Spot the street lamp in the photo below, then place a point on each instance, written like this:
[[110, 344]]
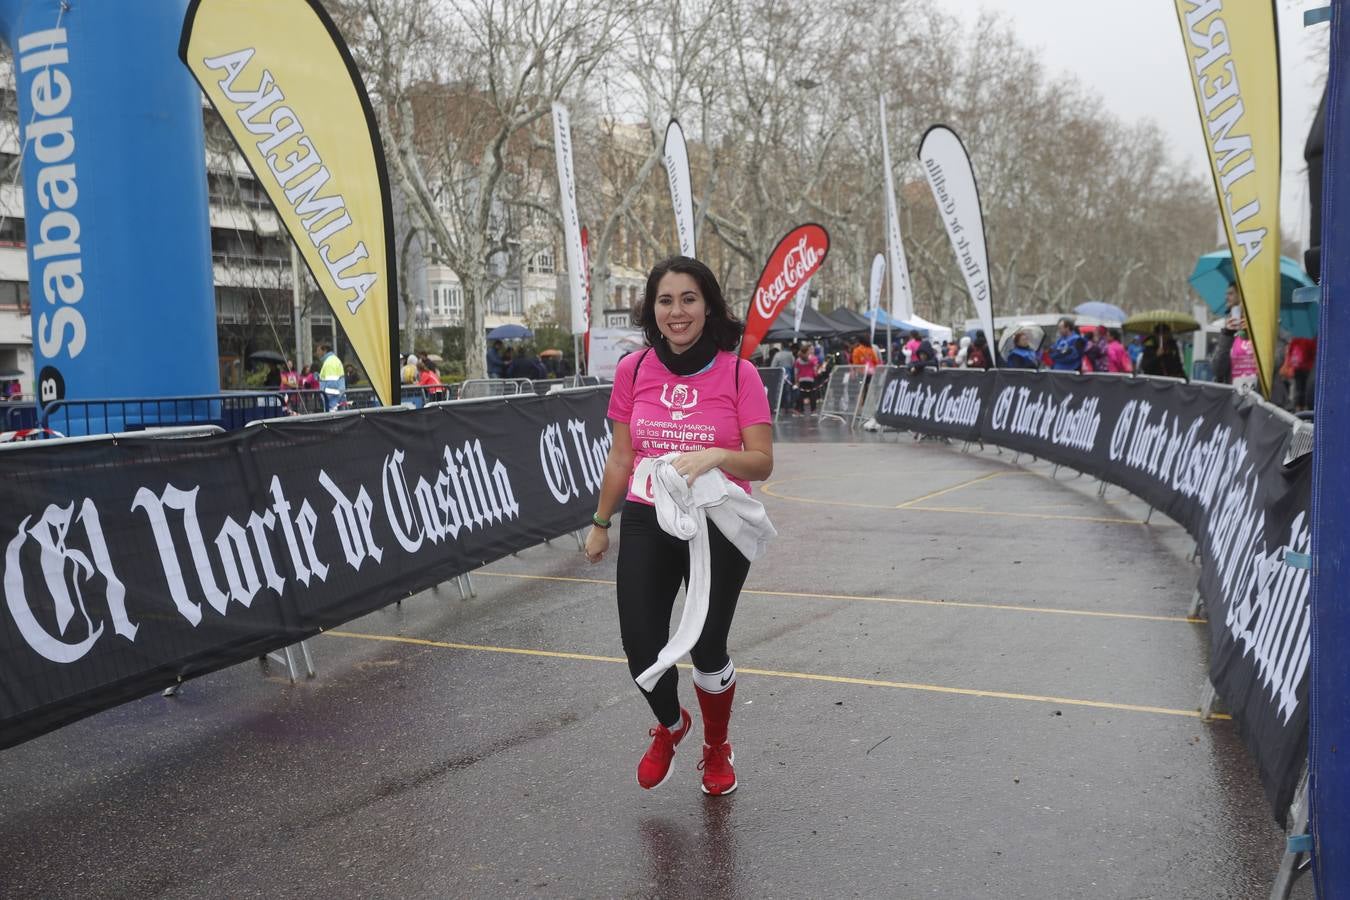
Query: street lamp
[[421, 323]]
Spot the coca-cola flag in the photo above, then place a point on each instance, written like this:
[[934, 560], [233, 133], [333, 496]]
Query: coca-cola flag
[[798, 256]]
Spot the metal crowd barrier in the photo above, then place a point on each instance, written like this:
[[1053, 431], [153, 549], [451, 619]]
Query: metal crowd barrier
[[871, 400], [775, 385], [566, 382], [462, 399], [188, 431], [542, 386], [299, 402], [418, 395], [477, 388], [124, 414], [843, 393]]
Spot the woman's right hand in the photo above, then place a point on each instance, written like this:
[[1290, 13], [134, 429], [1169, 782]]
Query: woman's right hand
[[597, 542]]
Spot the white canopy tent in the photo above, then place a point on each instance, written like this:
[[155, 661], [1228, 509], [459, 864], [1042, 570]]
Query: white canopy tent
[[936, 332]]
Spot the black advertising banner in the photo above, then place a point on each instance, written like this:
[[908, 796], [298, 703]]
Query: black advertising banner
[[950, 405], [129, 565], [1213, 461]]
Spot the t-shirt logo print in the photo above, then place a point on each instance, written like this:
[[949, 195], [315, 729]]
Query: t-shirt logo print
[[681, 400]]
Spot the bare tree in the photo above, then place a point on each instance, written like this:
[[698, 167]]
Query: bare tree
[[462, 92], [782, 121], [651, 78], [778, 98]]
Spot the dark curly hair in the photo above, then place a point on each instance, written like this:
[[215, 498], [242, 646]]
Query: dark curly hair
[[724, 328]]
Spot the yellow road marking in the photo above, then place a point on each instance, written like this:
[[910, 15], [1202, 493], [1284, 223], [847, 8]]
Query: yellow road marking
[[768, 489], [912, 601], [948, 490], [802, 676], [451, 645], [1110, 520]]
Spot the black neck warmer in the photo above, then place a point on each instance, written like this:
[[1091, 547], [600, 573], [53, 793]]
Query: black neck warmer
[[691, 361]]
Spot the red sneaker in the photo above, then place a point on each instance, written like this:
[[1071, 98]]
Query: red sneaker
[[718, 776], [654, 768]]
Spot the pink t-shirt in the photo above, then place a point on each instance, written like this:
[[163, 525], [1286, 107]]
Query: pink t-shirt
[[1243, 358], [668, 413], [806, 368]]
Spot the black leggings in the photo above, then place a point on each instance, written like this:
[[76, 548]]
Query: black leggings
[[652, 566]]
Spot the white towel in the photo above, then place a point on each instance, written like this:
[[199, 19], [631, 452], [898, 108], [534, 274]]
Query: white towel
[[684, 511]]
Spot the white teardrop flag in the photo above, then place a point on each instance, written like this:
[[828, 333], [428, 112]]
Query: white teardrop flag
[[946, 165]]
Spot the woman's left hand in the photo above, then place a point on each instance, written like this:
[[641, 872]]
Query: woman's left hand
[[691, 465]]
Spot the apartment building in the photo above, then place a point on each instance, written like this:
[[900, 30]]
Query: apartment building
[[16, 330], [251, 260]]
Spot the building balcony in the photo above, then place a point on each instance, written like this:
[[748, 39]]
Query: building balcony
[[240, 271], [244, 216]]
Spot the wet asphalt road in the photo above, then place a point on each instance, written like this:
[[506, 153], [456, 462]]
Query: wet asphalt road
[[959, 678]]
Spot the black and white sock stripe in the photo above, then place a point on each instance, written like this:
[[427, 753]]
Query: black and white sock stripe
[[716, 682]]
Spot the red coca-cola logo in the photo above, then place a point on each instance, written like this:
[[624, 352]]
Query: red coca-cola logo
[[797, 257]]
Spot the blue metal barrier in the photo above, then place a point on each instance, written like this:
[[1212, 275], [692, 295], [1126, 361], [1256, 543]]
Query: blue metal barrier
[[299, 403], [229, 411], [18, 416]]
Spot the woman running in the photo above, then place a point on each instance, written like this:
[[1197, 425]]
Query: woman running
[[686, 393]]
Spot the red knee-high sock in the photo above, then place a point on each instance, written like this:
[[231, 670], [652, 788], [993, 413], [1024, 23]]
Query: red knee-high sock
[[716, 710]]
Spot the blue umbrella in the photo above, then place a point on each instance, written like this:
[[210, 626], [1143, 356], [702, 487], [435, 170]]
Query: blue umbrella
[[1107, 312], [1299, 317], [509, 333], [1214, 272]]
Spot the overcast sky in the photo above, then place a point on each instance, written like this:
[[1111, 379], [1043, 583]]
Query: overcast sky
[[1130, 53]]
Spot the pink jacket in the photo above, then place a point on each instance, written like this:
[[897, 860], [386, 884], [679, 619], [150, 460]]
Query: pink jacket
[[1118, 358]]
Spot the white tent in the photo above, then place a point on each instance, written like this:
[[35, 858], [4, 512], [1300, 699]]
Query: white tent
[[936, 332]]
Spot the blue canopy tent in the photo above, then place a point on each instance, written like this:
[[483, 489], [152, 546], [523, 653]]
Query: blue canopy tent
[[884, 318]]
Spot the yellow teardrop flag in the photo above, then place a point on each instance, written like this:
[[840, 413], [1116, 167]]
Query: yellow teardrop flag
[[1232, 51], [286, 86]]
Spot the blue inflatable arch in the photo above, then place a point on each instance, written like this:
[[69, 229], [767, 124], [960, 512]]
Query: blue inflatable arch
[[119, 244]]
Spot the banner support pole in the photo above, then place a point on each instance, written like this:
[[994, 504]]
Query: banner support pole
[[295, 305]]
